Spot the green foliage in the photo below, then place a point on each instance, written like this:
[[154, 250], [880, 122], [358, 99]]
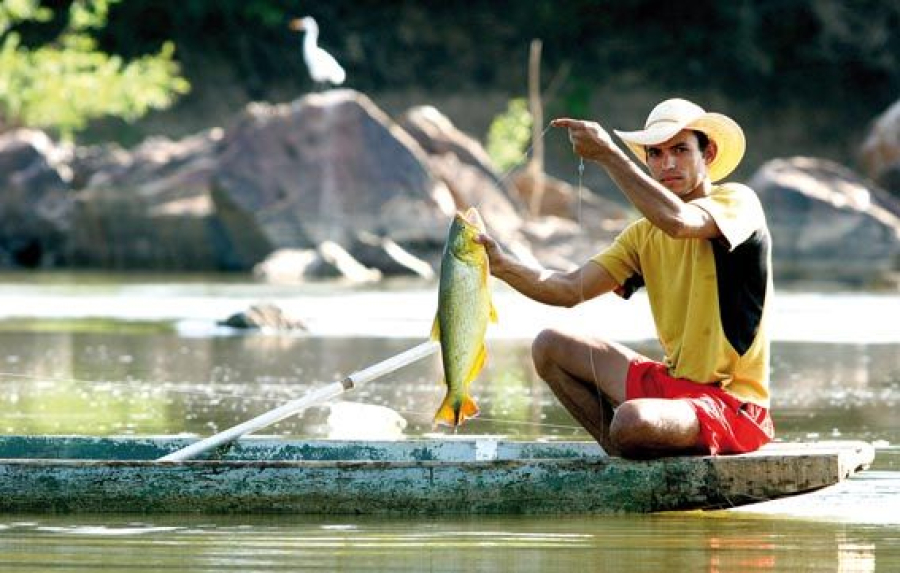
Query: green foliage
[[64, 84], [509, 135]]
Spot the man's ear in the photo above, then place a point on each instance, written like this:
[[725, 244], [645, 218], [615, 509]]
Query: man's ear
[[709, 154]]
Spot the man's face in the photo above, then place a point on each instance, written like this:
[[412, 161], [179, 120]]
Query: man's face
[[679, 164]]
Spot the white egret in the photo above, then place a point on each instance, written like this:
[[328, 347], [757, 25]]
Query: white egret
[[321, 65]]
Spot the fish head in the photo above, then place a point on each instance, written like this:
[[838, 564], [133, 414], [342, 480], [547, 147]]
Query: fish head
[[463, 231]]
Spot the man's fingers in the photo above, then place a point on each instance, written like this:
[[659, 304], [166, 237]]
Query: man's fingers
[[565, 122]]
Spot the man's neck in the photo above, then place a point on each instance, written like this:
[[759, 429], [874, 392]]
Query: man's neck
[[702, 190]]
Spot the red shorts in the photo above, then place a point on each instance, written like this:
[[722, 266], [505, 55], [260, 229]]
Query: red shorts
[[727, 424]]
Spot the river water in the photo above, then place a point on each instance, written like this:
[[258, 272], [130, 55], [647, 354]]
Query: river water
[[94, 354]]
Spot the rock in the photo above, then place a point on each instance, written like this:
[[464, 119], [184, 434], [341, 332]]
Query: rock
[[264, 315], [90, 160], [463, 166], [890, 179], [36, 204], [562, 244], [329, 260], [437, 136], [827, 222], [561, 199], [288, 266], [348, 267], [151, 208], [387, 256], [880, 153], [325, 168]]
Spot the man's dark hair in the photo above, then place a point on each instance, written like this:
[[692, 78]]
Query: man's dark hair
[[702, 140]]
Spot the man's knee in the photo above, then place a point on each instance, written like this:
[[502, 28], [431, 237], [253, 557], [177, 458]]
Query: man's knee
[[640, 428], [630, 427], [542, 350]]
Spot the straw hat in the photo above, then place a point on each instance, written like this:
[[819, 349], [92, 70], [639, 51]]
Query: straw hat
[[673, 115]]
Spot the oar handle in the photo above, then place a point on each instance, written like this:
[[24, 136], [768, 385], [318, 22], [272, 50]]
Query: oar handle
[[387, 366], [310, 399]]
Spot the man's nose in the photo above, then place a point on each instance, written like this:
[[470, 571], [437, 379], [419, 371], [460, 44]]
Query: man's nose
[[668, 161]]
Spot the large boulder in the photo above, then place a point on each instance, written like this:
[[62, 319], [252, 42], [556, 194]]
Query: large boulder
[[325, 168], [880, 152], [468, 175], [35, 203], [150, 208], [438, 137], [827, 222]]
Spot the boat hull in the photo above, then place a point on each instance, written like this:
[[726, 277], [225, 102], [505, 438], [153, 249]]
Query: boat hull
[[472, 476]]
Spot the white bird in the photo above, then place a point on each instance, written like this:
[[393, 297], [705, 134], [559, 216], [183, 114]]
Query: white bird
[[321, 65]]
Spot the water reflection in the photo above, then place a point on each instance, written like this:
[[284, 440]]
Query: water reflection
[[554, 544]]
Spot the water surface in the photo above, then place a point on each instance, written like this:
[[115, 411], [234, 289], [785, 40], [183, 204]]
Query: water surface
[[91, 355]]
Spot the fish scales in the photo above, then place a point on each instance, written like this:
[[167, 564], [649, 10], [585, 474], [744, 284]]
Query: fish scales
[[464, 310]]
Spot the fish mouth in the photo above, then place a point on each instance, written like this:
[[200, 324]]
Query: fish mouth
[[471, 219]]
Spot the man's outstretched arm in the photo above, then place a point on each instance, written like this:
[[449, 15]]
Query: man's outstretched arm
[[547, 286]]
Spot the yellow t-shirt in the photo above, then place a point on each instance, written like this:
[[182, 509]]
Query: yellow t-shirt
[[708, 297]]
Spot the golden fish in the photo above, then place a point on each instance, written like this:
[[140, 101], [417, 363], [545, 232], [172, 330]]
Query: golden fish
[[464, 309]]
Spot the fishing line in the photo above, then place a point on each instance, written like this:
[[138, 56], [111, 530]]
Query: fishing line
[[524, 156], [522, 159], [580, 192], [505, 421], [152, 386], [508, 422]]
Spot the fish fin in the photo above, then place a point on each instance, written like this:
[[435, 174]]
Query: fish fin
[[486, 280], [447, 415], [436, 329], [468, 409], [477, 364]]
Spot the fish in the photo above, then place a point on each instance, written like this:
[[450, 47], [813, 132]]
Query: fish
[[464, 309]]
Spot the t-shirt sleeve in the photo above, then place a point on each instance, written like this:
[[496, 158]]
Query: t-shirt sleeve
[[621, 259], [736, 209]]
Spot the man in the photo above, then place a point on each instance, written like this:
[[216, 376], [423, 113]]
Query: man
[[702, 250]]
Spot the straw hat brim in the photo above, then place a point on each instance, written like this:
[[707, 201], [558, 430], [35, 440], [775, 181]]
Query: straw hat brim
[[727, 134]]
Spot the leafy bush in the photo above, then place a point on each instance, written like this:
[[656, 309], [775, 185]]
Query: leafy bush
[[509, 135], [63, 84]]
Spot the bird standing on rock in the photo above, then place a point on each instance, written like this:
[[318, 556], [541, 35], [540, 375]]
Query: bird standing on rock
[[322, 66]]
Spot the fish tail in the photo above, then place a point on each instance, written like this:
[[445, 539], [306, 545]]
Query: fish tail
[[468, 409], [453, 413]]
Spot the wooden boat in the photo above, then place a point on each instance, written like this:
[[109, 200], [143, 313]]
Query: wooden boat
[[472, 475]]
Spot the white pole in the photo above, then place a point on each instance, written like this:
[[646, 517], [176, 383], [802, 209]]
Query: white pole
[[310, 399]]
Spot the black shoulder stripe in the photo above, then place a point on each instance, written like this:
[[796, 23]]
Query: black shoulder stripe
[[632, 284], [742, 276]]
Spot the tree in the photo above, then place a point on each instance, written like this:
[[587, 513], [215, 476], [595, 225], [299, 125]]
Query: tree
[[63, 84]]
